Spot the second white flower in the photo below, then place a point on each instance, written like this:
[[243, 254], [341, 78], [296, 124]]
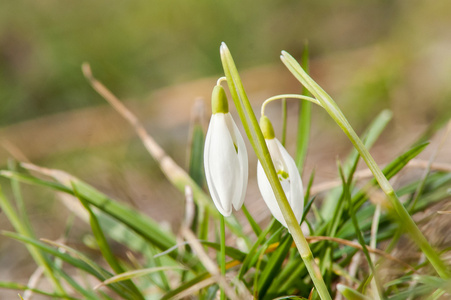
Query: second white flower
[[287, 173]]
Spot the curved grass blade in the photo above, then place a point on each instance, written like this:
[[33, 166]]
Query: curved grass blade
[[135, 274], [83, 263], [104, 247], [21, 287], [37, 255], [133, 219], [272, 268], [334, 111]]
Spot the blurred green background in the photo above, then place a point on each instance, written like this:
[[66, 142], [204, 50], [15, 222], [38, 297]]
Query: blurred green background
[[139, 46]]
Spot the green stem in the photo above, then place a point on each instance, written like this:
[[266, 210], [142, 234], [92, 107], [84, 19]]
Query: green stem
[[222, 253], [334, 111], [304, 117], [284, 121], [257, 141]]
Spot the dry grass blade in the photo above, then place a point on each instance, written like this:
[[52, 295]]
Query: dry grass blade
[[14, 151], [33, 282], [211, 267], [169, 167], [195, 288]]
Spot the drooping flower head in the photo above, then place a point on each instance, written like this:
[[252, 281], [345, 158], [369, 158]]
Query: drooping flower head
[[287, 173], [225, 157]]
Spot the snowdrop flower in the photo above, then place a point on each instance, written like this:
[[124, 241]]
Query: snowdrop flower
[[288, 176], [225, 157]]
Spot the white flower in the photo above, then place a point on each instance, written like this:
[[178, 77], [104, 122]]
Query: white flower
[[289, 178], [225, 158]]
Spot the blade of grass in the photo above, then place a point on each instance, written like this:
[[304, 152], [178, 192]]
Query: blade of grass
[[369, 137], [222, 257], [347, 197], [21, 287], [334, 111], [254, 225], [196, 163], [251, 255], [82, 262], [105, 249], [37, 255], [141, 224], [273, 266]]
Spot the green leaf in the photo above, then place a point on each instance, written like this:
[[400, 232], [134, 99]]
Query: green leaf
[[304, 119], [22, 228], [82, 262], [273, 266], [185, 286], [369, 137], [252, 255], [351, 294], [255, 227], [133, 219]]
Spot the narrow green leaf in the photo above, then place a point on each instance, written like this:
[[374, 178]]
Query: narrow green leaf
[[284, 122], [369, 137], [251, 255], [21, 287], [351, 294], [273, 265], [82, 262], [196, 170], [347, 197], [133, 219], [254, 225], [185, 286], [336, 114], [22, 228]]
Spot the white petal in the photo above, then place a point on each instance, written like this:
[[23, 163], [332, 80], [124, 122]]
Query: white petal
[[268, 194], [242, 173], [208, 176]]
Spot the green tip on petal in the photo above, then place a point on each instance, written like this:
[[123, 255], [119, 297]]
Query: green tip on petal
[[266, 127], [219, 102]]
